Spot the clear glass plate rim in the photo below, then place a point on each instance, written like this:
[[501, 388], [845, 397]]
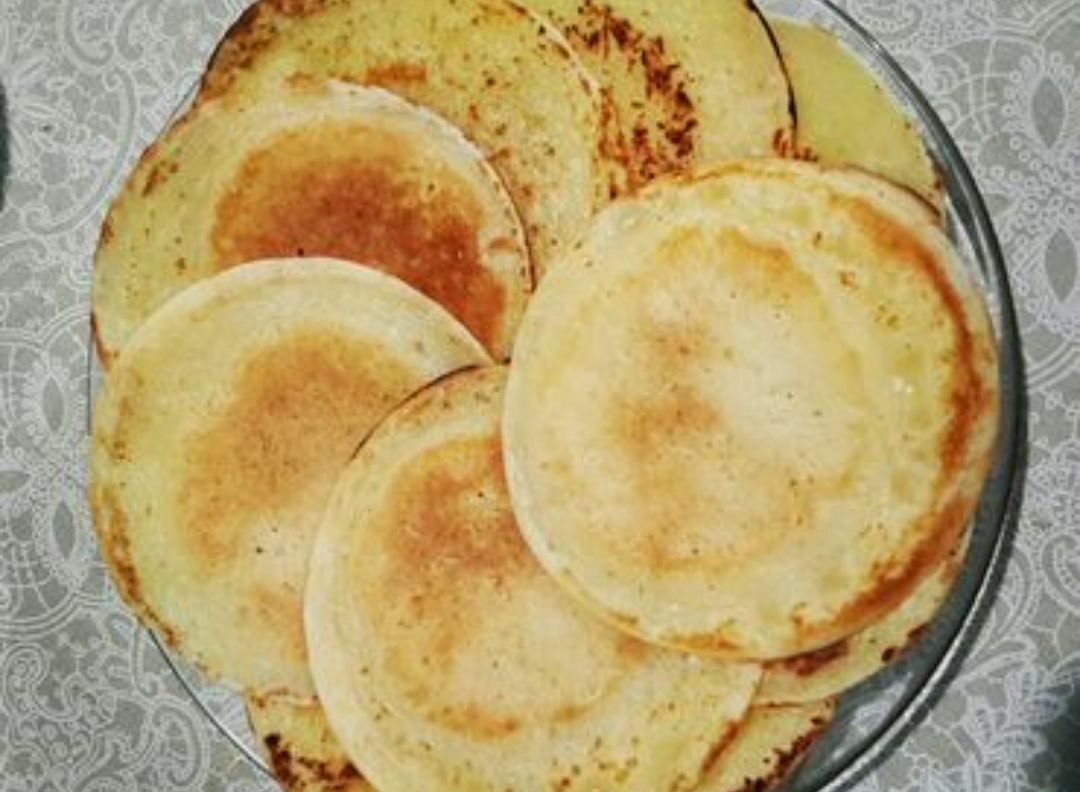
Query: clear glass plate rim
[[997, 505]]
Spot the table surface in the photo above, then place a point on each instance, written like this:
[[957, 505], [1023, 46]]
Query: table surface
[[85, 700]]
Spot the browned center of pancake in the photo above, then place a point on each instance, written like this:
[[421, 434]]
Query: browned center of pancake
[[367, 195], [267, 462], [479, 637]]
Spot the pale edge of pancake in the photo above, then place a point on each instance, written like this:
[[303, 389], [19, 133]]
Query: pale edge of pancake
[[156, 238], [913, 214], [494, 68], [125, 502], [832, 670], [401, 746], [845, 116], [767, 746]]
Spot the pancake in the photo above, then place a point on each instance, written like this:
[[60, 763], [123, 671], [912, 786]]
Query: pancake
[[218, 437], [768, 746], [753, 409], [496, 71], [833, 669], [692, 83], [844, 116], [299, 747], [445, 657], [318, 169]]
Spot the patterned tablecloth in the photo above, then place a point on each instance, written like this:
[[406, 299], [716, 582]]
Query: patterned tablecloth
[[86, 702]]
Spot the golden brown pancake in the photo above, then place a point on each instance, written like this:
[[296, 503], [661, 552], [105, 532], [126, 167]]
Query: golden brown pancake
[[299, 747], [218, 437], [445, 657], [319, 169], [833, 669], [767, 747], [753, 409], [692, 83], [845, 116], [493, 69]]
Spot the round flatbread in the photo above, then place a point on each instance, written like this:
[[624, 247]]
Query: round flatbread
[[767, 747], [299, 747], [220, 433], [692, 83], [445, 657], [844, 116], [316, 169], [753, 409], [831, 670], [495, 70]]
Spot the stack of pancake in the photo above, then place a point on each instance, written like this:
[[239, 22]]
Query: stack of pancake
[[518, 398]]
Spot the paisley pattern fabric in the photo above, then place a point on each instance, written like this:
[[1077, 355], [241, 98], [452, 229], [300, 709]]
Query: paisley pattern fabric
[[87, 701]]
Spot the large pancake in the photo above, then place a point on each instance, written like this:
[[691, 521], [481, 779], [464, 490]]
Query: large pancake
[[445, 657], [845, 116], [496, 71], [219, 435], [833, 669], [317, 169], [753, 409], [768, 746], [692, 83], [297, 743]]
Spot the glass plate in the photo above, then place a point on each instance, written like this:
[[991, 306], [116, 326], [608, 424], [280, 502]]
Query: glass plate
[[874, 717]]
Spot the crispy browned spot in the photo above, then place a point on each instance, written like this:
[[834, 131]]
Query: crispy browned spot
[[716, 641], [810, 662], [298, 772], [394, 73], [112, 529], [786, 760], [614, 148], [236, 51], [716, 750], [289, 8], [654, 147], [159, 173], [297, 412], [342, 190], [107, 232], [252, 32], [102, 351]]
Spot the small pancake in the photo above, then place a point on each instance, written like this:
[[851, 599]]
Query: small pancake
[[445, 657], [297, 743], [692, 83], [833, 669], [319, 169], [493, 69], [844, 116], [219, 435], [768, 746], [753, 409]]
